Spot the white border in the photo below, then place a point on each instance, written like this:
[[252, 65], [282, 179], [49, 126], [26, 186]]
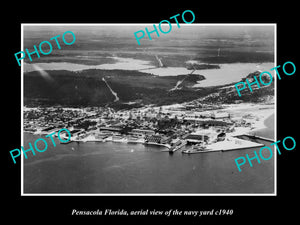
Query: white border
[[152, 194], [22, 110]]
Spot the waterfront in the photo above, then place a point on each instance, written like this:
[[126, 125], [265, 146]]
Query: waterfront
[[120, 167], [136, 168]]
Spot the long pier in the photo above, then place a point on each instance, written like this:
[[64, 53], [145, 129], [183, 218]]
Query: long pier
[[256, 137], [221, 149], [158, 144], [227, 145]]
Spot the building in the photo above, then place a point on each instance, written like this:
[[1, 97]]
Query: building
[[142, 131], [175, 142], [206, 136], [220, 115], [114, 129], [196, 138], [221, 136], [153, 138]]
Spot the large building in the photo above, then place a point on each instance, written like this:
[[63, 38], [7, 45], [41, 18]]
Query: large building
[[142, 131], [160, 139], [220, 115], [196, 138], [201, 137]]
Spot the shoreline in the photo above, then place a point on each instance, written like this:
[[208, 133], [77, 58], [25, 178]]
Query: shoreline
[[263, 129], [216, 147], [261, 116], [256, 120]]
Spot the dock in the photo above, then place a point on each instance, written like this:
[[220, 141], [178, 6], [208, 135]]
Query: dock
[[158, 144], [227, 145], [178, 147], [256, 137]]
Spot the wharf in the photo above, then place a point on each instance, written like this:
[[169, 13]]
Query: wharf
[[227, 145], [174, 149], [257, 137], [158, 144]]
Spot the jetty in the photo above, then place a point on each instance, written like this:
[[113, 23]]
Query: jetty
[[226, 145], [174, 149], [158, 144], [258, 137]]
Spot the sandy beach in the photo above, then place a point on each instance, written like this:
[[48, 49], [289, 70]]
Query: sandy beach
[[261, 117], [266, 129]]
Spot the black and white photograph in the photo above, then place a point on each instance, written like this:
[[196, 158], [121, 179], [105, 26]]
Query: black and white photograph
[[129, 109], [149, 113]]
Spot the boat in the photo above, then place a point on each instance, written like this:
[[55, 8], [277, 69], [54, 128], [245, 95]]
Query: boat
[[196, 149], [199, 147], [66, 140], [177, 147], [109, 138], [193, 151]]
